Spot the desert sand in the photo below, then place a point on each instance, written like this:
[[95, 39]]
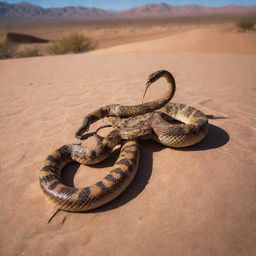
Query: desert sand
[[196, 201]]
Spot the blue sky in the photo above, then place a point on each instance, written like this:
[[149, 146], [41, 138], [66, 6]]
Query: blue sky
[[126, 4]]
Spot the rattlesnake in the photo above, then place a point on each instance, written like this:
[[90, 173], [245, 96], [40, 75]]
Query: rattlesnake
[[130, 123]]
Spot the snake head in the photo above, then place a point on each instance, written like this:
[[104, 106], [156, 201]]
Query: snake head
[[155, 76], [152, 78]]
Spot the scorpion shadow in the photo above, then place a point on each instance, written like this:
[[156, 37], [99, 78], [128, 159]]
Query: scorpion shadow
[[216, 137]]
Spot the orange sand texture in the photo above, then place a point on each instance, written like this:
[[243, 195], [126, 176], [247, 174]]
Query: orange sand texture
[[196, 201]]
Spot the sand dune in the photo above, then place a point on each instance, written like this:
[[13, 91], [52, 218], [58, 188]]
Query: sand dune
[[198, 201], [214, 40]]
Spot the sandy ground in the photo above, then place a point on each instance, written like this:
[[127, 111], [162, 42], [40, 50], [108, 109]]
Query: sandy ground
[[197, 201]]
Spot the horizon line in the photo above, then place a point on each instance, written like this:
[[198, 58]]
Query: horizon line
[[117, 10]]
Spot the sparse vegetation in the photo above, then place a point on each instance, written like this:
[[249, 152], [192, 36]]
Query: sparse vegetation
[[7, 49], [29, 52], [74, 43], [246, 24]]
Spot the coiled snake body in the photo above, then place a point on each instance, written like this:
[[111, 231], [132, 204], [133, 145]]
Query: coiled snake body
[[130, 123]]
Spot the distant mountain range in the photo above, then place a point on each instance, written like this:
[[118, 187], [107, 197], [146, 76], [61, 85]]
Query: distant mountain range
[[163, 9], [25, 10]]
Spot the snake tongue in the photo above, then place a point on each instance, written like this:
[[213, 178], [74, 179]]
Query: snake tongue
[[148, 83]]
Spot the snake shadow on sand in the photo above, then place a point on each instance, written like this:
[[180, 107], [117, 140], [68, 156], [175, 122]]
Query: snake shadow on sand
[[216, 137]]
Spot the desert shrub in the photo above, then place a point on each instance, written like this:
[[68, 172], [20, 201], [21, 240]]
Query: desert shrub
[[7, 49], [246, 24], [74, 43], [29, 52]]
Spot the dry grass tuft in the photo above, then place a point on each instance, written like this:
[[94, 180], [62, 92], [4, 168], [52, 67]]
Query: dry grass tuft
[[246, 24], [29, 52], [74, 43], [7, 49]]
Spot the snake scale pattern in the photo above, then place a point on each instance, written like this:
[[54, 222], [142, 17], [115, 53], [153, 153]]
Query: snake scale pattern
[[177, 126]]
